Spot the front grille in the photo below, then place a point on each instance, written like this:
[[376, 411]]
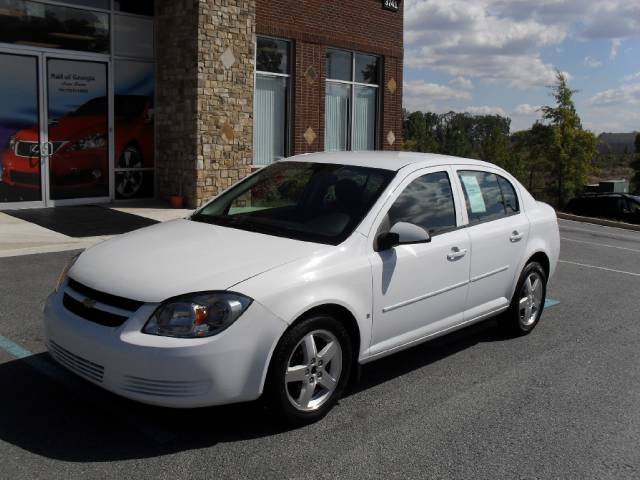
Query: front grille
[[25, 178], [27, 149], [77, 364], [106, 298], [165, 388], [98, 307], [92, 314]]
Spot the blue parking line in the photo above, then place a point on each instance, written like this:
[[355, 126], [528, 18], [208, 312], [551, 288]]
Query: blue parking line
[[550, 302], [14, 349]]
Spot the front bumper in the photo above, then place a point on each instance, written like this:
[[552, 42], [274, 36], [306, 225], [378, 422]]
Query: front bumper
[[182, 373]]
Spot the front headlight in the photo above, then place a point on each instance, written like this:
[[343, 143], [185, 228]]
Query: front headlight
[[65, 270], [92, 142], [197, 315], [12, 143]]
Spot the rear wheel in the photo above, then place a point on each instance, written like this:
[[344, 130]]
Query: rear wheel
[[309, 369], [528, 301]]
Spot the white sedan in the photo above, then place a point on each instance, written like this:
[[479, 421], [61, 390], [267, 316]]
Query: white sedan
[[284, 284]]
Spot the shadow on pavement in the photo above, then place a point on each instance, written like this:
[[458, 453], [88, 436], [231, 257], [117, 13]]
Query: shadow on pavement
[[64, 417]]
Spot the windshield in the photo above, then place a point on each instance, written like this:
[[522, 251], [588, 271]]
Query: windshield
[[313, 202]]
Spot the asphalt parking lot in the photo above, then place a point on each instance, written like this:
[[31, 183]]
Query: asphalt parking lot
[[560, 403]]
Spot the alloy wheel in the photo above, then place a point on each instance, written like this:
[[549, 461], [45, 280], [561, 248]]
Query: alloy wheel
[[130, 181], [313, 370], [531, 295]]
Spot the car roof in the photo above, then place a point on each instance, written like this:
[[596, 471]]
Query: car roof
[[393, 161]]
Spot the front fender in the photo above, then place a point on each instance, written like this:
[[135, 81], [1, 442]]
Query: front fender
[[341, 277]]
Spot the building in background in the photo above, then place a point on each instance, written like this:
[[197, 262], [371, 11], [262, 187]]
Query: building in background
[[117, 99]]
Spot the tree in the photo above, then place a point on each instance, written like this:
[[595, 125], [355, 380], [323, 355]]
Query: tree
[[571, 149], [494, 148]]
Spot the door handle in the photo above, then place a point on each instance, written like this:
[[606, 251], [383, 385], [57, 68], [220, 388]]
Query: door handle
[[456, 253], [515, 236]]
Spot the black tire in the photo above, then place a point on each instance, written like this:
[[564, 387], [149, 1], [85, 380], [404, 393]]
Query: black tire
[[281, 396], [515, 321]]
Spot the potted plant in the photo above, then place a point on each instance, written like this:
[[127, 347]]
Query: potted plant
[[177, 200]]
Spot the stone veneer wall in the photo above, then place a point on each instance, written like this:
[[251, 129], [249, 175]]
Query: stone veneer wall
[[204, 112]]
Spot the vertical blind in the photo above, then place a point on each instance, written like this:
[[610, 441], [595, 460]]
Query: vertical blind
[[364, 119], [336, 117], [270, 119]]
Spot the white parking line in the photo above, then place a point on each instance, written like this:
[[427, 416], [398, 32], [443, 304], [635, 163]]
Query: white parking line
[[600, 244], [599, 268]]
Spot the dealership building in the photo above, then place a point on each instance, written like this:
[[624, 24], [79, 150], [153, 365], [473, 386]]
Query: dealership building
[[104, 100]]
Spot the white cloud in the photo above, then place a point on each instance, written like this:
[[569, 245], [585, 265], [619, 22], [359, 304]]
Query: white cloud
[[501, 40], [420, 95], [632, 77], [486, 110], [462, 83], [625, 95], [591, 62], [615, 48], [524, 109]]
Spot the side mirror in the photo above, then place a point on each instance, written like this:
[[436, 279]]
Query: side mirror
[[402, 233]]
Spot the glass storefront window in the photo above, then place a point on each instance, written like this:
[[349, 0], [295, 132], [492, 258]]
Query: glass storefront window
[[271, 100], [104, 4], [77, 114], [52, 26], [134, 131], [19, 130], [133, 36], [351, 107], [140, 7], [339, 65], [272, 55], [366, 69]]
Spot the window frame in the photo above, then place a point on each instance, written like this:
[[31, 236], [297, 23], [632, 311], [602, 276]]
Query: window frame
[[288, 97], [398, 188], [453, 200], [352, 94], [463, 194]]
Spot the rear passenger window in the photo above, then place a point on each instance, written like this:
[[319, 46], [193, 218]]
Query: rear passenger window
[[509, 196], [482, 195], [426, 202]]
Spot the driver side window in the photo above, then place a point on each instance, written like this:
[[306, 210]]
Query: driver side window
[[426, 202]]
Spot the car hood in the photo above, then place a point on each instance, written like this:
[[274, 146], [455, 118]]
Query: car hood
[[182, 256]]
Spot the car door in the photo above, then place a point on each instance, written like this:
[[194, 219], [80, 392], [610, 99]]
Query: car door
[[498, 231], [420, 289]]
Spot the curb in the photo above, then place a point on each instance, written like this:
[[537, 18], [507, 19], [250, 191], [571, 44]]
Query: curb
[[599, 221]]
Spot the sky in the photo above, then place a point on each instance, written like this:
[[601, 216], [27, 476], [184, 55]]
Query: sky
[[498, 56]]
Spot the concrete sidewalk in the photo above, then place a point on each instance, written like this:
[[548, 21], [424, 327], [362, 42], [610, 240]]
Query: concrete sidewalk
[[19, 237]]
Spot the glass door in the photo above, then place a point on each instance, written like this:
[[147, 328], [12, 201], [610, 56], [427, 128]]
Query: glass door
[[77, 130], [21, 131]]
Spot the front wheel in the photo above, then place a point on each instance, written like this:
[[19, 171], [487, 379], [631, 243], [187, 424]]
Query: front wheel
[[129, 182], [309, 369], [528, 301]]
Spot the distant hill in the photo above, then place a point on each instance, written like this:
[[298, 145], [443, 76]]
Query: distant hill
[[615, 143]]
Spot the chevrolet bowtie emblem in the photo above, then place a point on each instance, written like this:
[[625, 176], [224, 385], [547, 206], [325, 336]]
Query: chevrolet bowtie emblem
[[89, 302]]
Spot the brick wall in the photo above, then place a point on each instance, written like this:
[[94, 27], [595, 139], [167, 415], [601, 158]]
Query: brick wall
[[312, 25]]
